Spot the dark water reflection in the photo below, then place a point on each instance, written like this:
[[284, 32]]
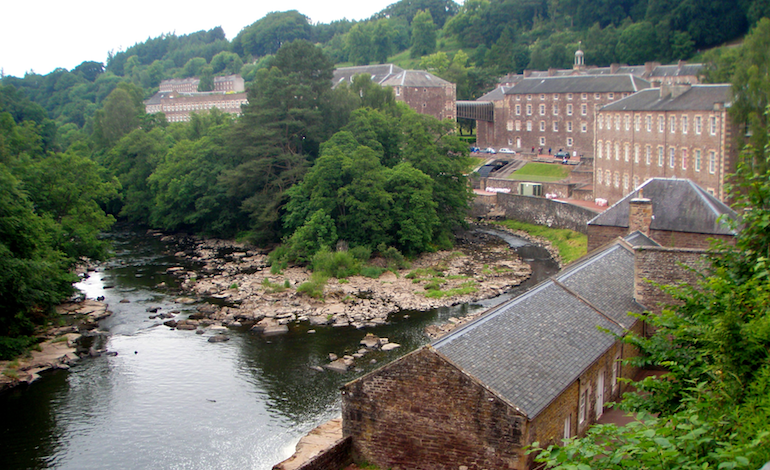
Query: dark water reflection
[[172, 400]]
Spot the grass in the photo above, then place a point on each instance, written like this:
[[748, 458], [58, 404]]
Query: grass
[[541, 172], [571, 245], [465, 289]]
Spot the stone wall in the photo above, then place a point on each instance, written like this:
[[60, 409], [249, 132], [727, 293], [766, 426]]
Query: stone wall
[[422, 413], [664, 266], [334, 458], [542, 211]]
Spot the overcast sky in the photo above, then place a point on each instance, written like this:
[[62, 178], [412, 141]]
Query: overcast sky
[[46, 34]]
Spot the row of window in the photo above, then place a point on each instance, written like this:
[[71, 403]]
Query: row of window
[[554, 109], [583, 96], [516, 125], [605, 150], [606, 120], [203, 106]]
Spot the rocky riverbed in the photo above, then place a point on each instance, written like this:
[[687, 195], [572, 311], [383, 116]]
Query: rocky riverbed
[[241, 290]]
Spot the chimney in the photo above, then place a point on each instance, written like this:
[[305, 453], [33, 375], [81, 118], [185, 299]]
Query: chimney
[[527, 73], [674, 90], [551, 71], [614, 68], [640, 215]]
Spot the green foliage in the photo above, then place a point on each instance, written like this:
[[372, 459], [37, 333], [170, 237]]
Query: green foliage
[[423, 34], [268, 34], [544, 172], [373, 272], [571, 245], [338, 264], [11, 348], [314, 287], [361, 253]]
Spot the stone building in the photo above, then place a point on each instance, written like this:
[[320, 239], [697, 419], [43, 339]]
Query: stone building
[[672, 212], [681, 131], [179, 106], [537, 368], [226, 83], [551, 112], [420, 90]]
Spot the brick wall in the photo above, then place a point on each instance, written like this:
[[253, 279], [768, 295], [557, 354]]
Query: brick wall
[[439, 102], [422, 413], [629, 142], [664, 266]]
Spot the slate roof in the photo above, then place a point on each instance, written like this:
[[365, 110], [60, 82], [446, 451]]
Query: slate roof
[[697, 97], [495, 95], [378, 73], [580, 84], [639, 239], [414, 78], [676, 70], [678, 205], [530, 349]]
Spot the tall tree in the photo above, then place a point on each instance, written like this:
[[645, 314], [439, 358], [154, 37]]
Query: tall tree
[[423, 34]]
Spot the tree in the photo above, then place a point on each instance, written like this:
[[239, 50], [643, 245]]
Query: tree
[[423, 34], [227, 63], [206, 82], [637, 43], [267, 35], [121, 113]]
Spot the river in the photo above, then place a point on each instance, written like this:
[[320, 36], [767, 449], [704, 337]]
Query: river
[[171, 400]]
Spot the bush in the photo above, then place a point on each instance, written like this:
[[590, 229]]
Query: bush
[[314, 287], [13, 347], [361, 253], [339, 264], [373, 272], [394, 257]]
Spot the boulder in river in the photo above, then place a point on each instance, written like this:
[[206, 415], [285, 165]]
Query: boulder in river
[[218, 338]]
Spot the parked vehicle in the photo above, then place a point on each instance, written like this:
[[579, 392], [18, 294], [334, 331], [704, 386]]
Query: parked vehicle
[[475, 150], [506, 150], [489, 150]]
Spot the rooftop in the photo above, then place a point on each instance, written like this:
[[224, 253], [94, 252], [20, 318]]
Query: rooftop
[[696, 97], [580, 84]]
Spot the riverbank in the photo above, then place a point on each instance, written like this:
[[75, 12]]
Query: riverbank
[[59, 348], [241, 290]]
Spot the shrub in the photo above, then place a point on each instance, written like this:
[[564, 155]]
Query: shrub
[[13, 347], [394, 257], [339, 264], [361, 253], [373, 272], [314, 287]]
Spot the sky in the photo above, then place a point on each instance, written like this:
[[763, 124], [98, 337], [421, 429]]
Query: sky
[[43, 35]]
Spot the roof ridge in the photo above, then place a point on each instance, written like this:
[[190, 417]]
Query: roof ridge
[[585, 301]]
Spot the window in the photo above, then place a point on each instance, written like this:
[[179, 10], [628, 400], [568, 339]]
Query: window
[[627, 121], [569, 109], [569, 96], [660, 156], [542, 126], [698, 125], [648, 154], [599, 176], [671, 157], [661, 124], [542, 110], [509, 125], [607, 178], [637, 123], [518, 97], [626, 152], [609, 122], [569, 126], [556, 110], [636, 182], [600, 394], [672, 123], [584, 109], [529, 110], [697, 160], [636, 153], [542, 141], [616, 180], [617, 151], [583, 126], [583, 404], [556, 97], [617, 364], [599, 151], [568, 427], [556, 126], [518, 110], [584, 96], [529, 126], [712, 162], [542, 97], [684, 159], [609, 150], [648, 122], [611, 96], [569, 141], [529, 97], [684, 124], [601, 122], [713, 125], [625, 182], [597, 96], [617, 122]]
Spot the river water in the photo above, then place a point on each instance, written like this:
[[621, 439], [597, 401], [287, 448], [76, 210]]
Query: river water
[[170, 399]]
